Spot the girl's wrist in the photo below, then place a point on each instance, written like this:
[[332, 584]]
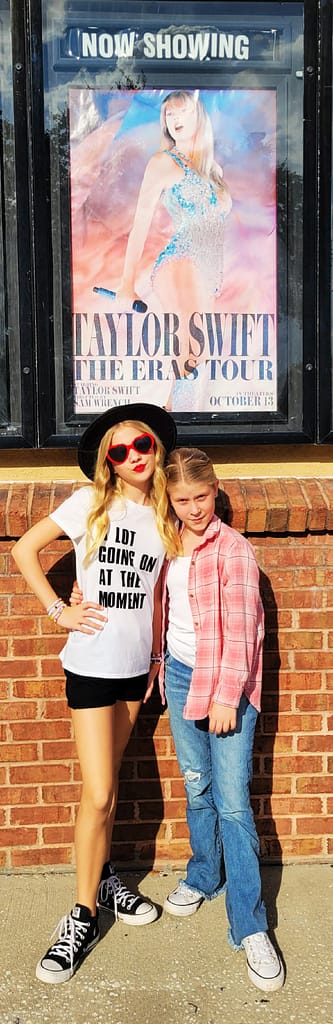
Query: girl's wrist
[[156, 659], [55, 610]]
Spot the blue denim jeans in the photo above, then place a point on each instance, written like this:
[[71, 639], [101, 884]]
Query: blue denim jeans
[[217, 772]]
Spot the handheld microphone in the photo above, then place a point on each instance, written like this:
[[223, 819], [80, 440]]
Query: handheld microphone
[[138, 305]]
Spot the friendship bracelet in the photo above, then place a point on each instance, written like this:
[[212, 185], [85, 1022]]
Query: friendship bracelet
[[156, 659], [52, 607], [55, 610]]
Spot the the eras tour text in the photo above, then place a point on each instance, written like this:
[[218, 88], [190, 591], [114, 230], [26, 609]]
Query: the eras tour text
[[125, 347]]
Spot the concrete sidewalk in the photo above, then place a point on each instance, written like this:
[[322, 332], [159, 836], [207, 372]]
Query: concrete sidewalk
[[174, 971]]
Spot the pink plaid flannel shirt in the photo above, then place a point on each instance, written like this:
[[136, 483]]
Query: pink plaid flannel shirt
[[228, 619]]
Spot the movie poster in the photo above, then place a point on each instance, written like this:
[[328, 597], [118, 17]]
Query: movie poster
[[173, 236]]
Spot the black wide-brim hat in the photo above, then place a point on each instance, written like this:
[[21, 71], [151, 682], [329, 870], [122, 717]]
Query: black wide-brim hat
[[153, 416]]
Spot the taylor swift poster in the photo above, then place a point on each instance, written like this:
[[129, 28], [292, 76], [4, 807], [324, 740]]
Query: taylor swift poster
[[173, 227]]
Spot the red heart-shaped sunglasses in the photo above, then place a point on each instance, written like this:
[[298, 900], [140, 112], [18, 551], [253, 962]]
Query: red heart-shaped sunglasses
[[144, 444]]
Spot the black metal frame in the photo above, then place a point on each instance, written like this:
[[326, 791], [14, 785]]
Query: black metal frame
[[325, 283], [35, 298], [23, 434]]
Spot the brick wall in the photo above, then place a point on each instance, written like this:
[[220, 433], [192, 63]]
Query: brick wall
[[290, 524]]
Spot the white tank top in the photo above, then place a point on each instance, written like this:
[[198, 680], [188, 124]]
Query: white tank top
[[180, 634]]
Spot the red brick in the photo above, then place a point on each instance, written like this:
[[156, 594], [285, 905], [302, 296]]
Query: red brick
[[41, 730], [315, 620], [18, 795], [61, 750], [318, 505], [238, 514], [291, 723], [4, 492], [292, 806], [51, 857], [15, 669], [26, 605], [303, 847], [295, 681], [315, 826], [179, 830], [56, 708], [304, 598], [38, 688], [30, 647], [267, 827], [300, 640], [61, 793], [40, 815], [297, 505], [11, 711], [17, 510], [257, 506], [51, 666], [297, 765], [15, 626], [25, 774], [278, 511], [18, 752], [18, 836], [177, 789], [40, 503], [61, 834], [304, 660], [60, 492], [262, 784], [315, 743], [315, 784], [282, 743]]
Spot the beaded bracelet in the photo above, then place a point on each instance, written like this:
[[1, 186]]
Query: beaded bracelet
[[156, 659], [56, 609]]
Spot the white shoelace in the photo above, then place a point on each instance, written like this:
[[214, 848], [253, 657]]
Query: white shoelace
[[260, 949], [122, 897], [70, 934]]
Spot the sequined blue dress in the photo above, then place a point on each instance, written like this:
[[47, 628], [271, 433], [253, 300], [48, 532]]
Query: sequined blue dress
[[198, 220]]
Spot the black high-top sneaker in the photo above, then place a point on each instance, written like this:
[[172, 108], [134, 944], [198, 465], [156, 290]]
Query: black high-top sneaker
[[78, 933], [126, 906]]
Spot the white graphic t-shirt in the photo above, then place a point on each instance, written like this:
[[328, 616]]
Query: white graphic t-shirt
[[121, 578]]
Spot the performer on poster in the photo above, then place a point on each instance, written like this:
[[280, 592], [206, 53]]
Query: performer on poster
[[174, 300], [188, 272]]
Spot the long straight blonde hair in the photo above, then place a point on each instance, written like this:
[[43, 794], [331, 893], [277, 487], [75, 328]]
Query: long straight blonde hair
[[203, 143], [108, 486], [188, 465]]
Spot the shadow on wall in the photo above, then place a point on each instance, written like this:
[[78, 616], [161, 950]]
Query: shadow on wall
[[263, 754]]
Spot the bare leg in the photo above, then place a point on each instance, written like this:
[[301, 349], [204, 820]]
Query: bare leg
[[181, 289], [101, 736], [125, 716]]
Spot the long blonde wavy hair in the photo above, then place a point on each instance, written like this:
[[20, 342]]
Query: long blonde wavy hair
[[203, 144], [108, 486]]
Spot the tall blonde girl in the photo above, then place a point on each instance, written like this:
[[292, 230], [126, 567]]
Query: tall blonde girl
[[120, 526]]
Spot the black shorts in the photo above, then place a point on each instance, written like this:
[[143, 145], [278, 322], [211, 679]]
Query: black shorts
[[88, 692]]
